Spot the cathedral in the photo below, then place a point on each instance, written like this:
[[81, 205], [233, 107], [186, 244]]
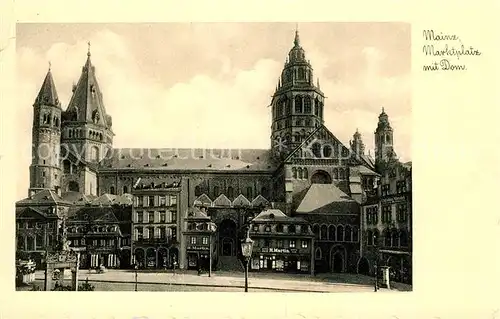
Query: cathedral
[[185, 208]]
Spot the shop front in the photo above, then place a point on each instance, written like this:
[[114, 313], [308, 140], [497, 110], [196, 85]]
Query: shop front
[[399, 264], [287, 260], [198, 257]]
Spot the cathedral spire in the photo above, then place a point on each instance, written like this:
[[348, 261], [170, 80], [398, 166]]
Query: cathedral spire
[[48, 93], [297, 38]]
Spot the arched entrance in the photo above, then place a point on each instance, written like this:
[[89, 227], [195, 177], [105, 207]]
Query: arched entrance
[[125, 258], [337, 259], [363, 266], [321, 177], [151, 258], [162, 257], [139, 257], [227, 238]]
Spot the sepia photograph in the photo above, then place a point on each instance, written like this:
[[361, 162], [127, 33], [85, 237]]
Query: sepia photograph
[[214, 157]]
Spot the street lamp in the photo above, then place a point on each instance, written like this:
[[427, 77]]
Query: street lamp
[[376, 259], [135, 268], [246, 251]]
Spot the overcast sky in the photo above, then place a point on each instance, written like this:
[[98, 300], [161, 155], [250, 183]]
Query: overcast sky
[[208, 85]]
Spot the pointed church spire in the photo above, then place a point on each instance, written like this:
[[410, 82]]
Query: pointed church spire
[[88, 50], [317, 83], [48, 93], [297, 39]]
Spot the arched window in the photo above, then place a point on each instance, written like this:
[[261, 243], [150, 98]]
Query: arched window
[[324, 233], [264, 192], [355, 234], [279, 109], [316, 231], [304, 173], [403, 239], [369, 238], [73, 186], [299, 173], [316, 107], [348, 233], [376, 237], [335, 173], [340, 233], [341, 173], [387, 238], [298, 104], [318, 254], [331, 232], [230, 192], [288, 107], [197, 191], [302, 74], [216, 191], [249, 193], [327, 151], [395, 238], [125, 189], [294, 172], [316, 150], [288, 75], [307, 105], [321, 177], [112, 190]]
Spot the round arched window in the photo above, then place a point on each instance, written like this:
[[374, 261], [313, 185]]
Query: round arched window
[[316, 149], [327, 151]]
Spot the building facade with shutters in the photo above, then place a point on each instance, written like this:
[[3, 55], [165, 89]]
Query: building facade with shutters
[[306, 164]]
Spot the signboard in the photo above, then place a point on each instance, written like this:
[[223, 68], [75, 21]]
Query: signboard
[[395, 199], [197, 247], [279, 250]]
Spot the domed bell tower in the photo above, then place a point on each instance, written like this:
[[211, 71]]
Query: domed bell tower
[[297, 103], [45, 171], [384, 149]]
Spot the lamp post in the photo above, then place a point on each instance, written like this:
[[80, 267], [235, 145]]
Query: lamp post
[[135, 268], [376, 261], [246, 251]]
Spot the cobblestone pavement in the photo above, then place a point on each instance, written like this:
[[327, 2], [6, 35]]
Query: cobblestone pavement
[[181, 280]]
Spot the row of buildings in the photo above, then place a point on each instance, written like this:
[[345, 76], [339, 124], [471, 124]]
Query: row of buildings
[[311, 203]]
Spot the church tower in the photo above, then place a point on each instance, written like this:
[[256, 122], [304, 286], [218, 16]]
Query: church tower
[[357, 145], [45, 171], [297, 104], [87, 128], [384, 149]]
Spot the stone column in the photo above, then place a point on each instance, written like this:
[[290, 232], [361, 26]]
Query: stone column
[[312, 256]]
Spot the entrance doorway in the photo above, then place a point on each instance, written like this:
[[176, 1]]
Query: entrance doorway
[[363, 266], [227, 237], [337, 262]]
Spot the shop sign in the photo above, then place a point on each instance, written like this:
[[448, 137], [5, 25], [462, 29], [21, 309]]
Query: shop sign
[[61, 257], [197, 248], [395, 199], [278, 250]]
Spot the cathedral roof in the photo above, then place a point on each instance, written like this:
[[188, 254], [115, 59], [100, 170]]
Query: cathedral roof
[[43, 197], [325, 198], [87, 101], [48, 93], [241, 160]]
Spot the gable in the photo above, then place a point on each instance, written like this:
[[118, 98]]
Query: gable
[[241, 201], [107, 218], [321, 145], [203, 200], [30, 213]]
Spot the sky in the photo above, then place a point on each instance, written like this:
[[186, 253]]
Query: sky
[[176, 85]]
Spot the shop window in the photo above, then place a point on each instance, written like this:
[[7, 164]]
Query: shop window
[[292, 243], [193, 240], [304, 244]]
